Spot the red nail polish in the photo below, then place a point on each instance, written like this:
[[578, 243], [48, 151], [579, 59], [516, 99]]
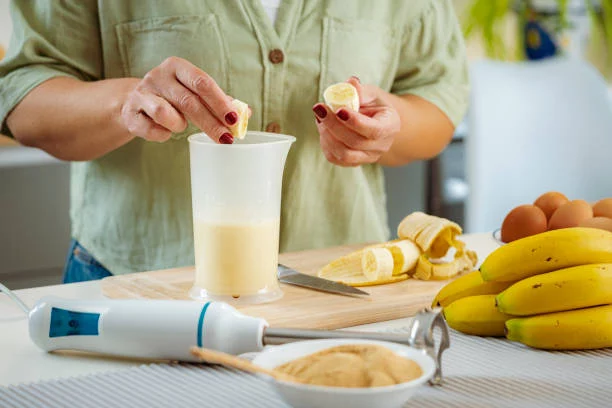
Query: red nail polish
[[226, 138], [317, 119], [231, 118], [343, 114], [320, 111]]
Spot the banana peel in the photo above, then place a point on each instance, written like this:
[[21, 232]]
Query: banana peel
[[428, 270], [361, 281], [432, 234], [423, 242], [436, 236]]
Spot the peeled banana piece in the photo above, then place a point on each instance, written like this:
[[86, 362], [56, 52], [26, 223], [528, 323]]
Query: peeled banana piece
[[470, 284], [566, 289], [349, 270], [547, 252], [341, 95], [581, 329], [239, 129], [377, 263], [476, 315], [405, 255]]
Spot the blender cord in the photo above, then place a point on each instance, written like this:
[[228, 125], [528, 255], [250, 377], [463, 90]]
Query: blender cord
[[15, 298]]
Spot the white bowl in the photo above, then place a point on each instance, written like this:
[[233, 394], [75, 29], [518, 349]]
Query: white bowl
[[305, 395]]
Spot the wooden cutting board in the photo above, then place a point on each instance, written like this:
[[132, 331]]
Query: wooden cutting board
[[299, 307]]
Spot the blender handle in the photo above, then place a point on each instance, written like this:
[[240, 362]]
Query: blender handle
[[149, 329]]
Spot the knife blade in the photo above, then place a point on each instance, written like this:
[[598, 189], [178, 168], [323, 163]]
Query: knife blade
[[293, 277]]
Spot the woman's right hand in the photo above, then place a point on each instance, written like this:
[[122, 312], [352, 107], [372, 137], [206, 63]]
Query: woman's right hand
[[173, 93]]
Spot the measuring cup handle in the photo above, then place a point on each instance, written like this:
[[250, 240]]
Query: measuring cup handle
[[422, 337]]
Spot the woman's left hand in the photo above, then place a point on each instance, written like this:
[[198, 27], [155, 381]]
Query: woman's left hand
[[351, 138]]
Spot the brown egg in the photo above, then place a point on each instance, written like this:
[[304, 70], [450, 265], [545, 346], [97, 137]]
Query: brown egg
[[523, 221], [603, 223], [549, 202], [603, 208], [570, 214]]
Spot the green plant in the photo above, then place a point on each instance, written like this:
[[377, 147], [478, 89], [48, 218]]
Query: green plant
[[487, 17]]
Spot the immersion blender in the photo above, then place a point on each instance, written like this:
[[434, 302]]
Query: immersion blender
[[167, 329]]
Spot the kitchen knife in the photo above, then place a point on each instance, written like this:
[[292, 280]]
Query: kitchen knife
[[293, 277]]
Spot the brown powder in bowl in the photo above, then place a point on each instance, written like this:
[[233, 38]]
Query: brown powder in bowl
[[354, 366]]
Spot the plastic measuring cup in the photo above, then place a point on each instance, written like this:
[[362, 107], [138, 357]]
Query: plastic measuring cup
[[236, 198]]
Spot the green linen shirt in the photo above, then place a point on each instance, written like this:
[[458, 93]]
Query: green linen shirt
[[132, 207]]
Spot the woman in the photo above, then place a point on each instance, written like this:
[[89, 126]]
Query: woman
[[116, 87]]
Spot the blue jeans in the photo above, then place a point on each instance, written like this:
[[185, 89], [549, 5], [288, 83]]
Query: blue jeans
[[81, 266]]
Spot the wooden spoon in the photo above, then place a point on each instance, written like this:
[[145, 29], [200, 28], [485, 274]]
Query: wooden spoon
[[228, 360]]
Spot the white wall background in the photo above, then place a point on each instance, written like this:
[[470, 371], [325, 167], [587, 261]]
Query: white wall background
[[5, 23]]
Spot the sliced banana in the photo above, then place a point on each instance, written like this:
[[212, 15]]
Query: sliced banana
[[377, 263], [341, 95], [405, 255], [348, 270], [239, 129]]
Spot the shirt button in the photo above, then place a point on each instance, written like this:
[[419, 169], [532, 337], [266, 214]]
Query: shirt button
[[276, 56], [273, 127]]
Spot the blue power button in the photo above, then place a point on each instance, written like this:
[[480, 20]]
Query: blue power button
[[70, 323]]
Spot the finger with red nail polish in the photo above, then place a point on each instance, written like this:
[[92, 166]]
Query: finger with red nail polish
[[320, 111], [231, 118], [226, 138], [343, 114]]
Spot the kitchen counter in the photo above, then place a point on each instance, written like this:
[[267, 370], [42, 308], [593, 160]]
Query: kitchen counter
[[23, 362]]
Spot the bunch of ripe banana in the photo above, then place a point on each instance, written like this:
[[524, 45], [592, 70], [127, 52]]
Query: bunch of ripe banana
[[551, 291], [426, 249]]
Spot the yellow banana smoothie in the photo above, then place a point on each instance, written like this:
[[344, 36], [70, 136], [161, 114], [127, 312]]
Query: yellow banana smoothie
[[236, 259]]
